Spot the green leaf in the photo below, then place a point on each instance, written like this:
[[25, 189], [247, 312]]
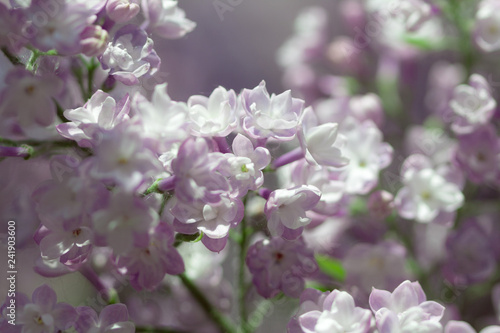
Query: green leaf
[[331, 267]]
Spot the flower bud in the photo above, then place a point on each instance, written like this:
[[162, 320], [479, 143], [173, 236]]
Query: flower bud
[[122, 11], [93, 40]]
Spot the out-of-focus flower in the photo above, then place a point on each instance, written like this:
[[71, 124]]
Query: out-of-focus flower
[[61, 29], [130, 55], [166, 19], [125, 222], [454, 326], [487, 26], [29, 100], [11, 24], [280, 265], [113, 318], [381, 204], [147, 265], [286, 210], [44, 314], [472, 104], [426, 194], [121, 158], [164, 122], [406, 309], [478, 155], [382, 266], [470, 256], [367, 155]]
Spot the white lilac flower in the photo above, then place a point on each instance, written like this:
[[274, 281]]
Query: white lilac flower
[[214, 115], [426, 194], [337, 315], [472, 104], [113, 318], [101, 112], [367, 155], [122, 159], [321, 144], [125, 222], [406, 310], [61, 31], [286, 210], [487, 26], [275, 116], [130, 55], [166, 19], [28, 99], [164, 122]]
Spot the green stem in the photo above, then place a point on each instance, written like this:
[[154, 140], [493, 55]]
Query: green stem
[[91, 68], [222, 322], [12, 58]]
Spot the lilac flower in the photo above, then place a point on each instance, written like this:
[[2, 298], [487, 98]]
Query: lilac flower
[[426, 194], [244, 167], [113, 318], [310, 300], [62, 30], [278, 264], [44, 314], [286, 210], [120, 158], [320, 143], [472, 104], [333, 196], [28, 99], [125, 223], [478, 155], [11, 24], [130, 56], [122, 11], [270, 116], [338, 314], [8, 312], [487, 26], [72, 198], [367, 107], [405, 310], [367, 155], [382, 266], [309, 39], [194, 171], [470, 256], [164, 122], [71, 244], [213, 220], [454, 326], [94, 40], [147, 265], [214, 115], [101, 112], [165, 19]]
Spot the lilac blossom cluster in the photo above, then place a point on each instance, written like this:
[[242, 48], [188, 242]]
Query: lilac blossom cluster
[[367, 174]]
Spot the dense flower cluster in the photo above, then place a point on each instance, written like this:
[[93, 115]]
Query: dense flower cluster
[[380, 166]]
